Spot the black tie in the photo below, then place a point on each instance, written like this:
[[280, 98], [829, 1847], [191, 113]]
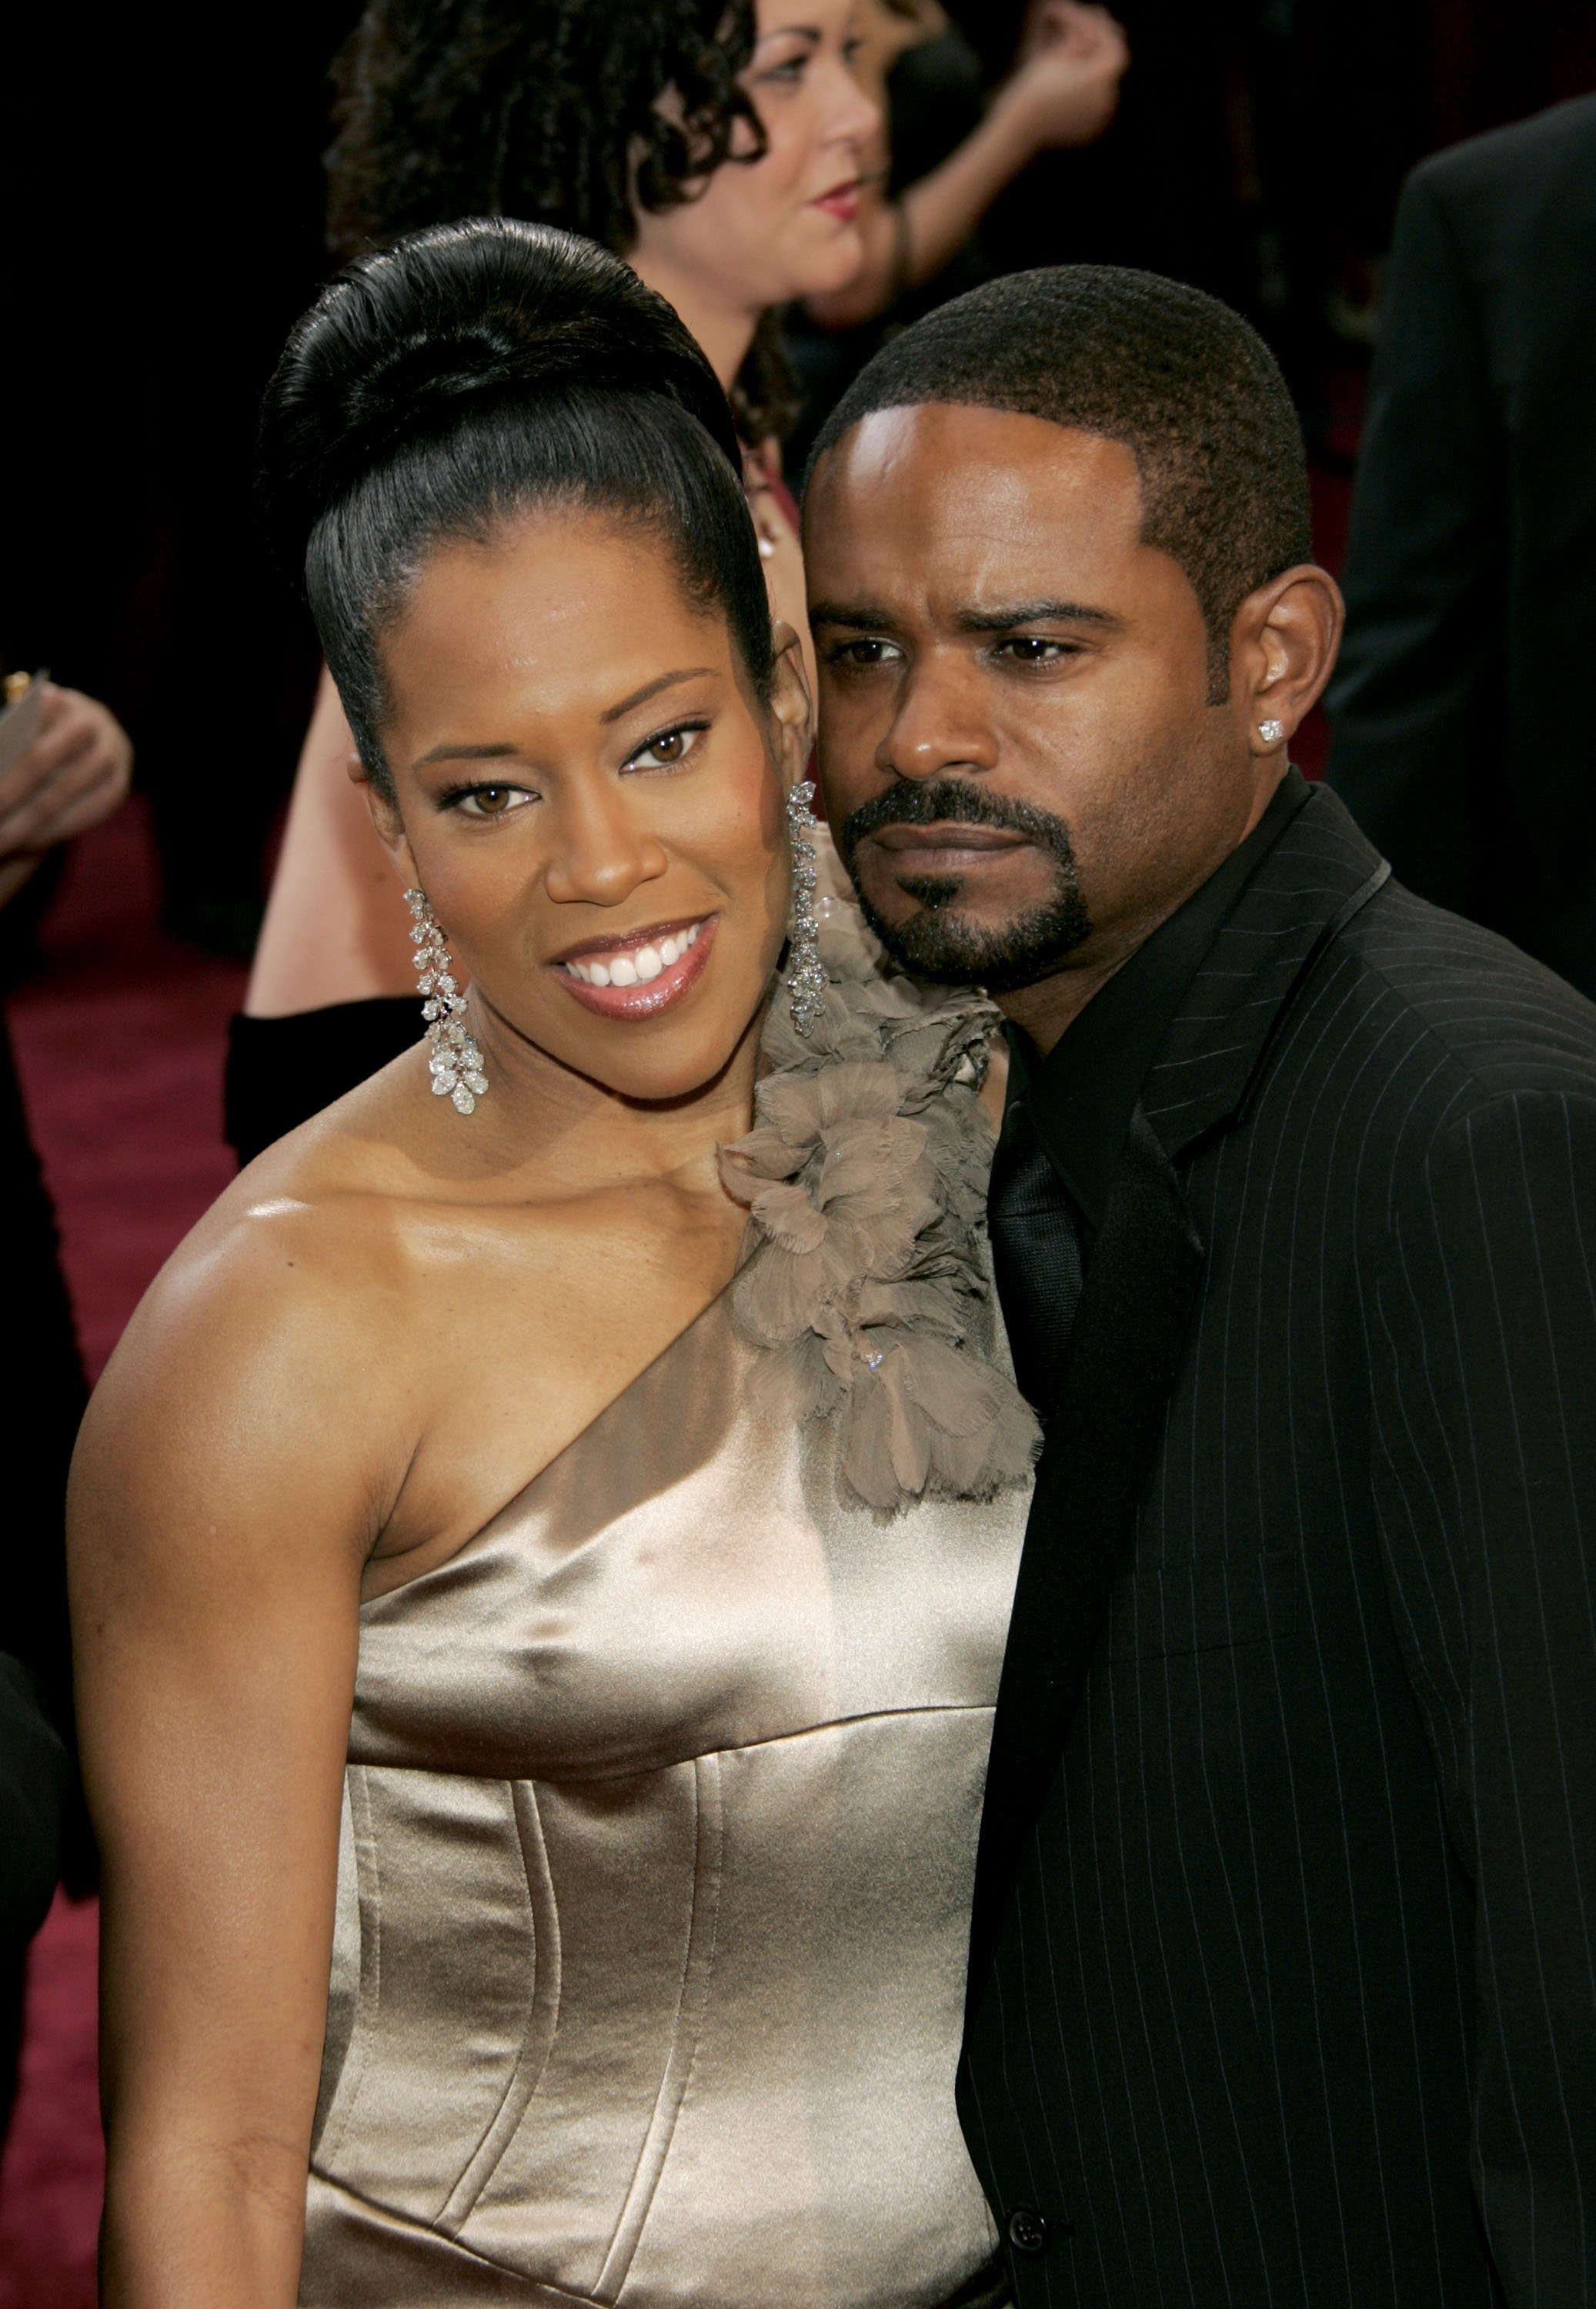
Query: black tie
[[1036, 1255]]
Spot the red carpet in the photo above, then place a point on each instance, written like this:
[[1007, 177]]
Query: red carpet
[[119, 1040]]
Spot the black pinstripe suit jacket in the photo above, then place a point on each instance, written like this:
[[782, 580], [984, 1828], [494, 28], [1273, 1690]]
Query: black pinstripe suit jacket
[[1294, 1991]]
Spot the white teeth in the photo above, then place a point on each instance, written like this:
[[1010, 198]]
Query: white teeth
[[638, 968]]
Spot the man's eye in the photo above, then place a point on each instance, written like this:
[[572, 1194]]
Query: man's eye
[[669, 750], [865, 652], [1032, 649]]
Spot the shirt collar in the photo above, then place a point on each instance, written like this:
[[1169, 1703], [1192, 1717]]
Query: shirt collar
[[1083, 1095]]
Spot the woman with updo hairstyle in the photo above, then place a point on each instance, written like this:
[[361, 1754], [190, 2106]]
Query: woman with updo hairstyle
[[542, 1551], [719, 149]]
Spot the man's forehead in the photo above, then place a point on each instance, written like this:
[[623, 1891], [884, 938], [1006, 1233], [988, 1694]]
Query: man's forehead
[[941, 483], [943, 441]]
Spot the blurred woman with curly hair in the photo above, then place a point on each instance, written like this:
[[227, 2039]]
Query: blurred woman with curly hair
[[719, 149]]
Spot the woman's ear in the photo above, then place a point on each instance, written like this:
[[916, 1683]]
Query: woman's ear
[[389, 829], [790, 708]]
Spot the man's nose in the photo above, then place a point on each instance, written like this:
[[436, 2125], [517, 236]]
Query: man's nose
[[599, 853], [939, 725]]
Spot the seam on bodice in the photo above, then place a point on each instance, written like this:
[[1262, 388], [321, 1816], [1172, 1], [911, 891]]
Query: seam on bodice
[[538, 2288], [636, 1768], [691, 2001], [543, 2011], [369, 1898]]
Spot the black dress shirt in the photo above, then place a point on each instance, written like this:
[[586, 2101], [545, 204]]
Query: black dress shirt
[[1067, 1116]]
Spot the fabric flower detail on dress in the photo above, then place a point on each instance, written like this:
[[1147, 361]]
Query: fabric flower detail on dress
[[865, 1182]]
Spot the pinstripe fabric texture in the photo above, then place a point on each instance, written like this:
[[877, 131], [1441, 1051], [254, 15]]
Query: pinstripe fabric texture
[[1294, 2000]]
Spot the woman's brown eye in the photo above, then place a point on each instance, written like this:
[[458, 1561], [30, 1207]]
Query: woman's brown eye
[[493, 800], [669, 747]]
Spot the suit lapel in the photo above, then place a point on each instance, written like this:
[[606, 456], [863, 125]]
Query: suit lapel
[[1135, 1309], [1124, 1345]]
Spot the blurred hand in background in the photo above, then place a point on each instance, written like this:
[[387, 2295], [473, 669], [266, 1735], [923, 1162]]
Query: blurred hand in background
[[76, 773], [1065, 89]]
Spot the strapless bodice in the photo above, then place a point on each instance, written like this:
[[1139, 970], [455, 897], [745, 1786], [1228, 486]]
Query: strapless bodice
[[659, 1836]]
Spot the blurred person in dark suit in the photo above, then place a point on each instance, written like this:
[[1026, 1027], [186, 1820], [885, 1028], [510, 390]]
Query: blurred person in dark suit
[[1471, 579], [73, 773]]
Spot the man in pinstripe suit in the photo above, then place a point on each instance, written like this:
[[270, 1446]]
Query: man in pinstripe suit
[[1283, 1981]]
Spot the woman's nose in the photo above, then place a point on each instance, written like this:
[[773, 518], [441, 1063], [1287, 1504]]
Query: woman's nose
[[600, 854], [854, 115]]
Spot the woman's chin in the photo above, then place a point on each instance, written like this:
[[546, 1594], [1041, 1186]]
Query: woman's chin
[[830, 263], [655, 1064]]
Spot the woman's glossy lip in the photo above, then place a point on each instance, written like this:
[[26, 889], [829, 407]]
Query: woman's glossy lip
[[646, 999], [625, 941]]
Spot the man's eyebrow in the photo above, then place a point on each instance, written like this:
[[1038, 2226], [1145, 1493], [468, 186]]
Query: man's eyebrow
[[856, 617], [870, 618], [1005, 616], [651, 689]]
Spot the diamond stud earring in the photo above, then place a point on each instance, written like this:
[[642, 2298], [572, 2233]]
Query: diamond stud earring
[[1272, 731], [456, 1062], [805, 975]]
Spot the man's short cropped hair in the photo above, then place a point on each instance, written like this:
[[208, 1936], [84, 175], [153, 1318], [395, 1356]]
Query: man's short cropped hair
[[1192, 392]]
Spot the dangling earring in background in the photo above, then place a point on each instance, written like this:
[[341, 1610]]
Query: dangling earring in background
[[456, 1062], [806, 976]]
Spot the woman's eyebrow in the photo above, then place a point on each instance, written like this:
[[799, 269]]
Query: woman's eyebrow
[[810, 32], [462, 754], [651, 689]]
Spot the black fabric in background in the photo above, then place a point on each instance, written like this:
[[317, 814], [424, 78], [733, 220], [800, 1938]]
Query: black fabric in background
[[280, 1071], [44, 1825]]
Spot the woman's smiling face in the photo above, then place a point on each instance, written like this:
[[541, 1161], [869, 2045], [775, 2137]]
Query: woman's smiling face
[[592, 797]]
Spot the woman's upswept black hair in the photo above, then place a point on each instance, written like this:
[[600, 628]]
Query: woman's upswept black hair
[[469, 373], [550, 111]]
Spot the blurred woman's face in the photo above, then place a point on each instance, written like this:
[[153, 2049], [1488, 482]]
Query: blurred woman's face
[[592, 798], [763, 232]]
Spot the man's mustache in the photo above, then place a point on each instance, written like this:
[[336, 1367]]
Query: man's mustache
[[945, 801]]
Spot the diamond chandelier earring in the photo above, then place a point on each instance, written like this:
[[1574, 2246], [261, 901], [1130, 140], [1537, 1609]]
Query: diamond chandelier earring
[[456, 1062], [806, 975]]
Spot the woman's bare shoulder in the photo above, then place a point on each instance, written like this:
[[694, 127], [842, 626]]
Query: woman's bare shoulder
[[277, 1325]]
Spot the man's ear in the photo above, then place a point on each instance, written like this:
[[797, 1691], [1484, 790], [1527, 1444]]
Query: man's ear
[[1282, 648], [389, 829], [791, 707]]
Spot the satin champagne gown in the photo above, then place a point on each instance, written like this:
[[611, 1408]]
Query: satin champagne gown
[[659, 1836]]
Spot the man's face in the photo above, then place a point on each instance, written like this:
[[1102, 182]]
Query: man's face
[[1019, 756]]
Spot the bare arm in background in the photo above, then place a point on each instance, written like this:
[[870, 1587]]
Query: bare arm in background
[[1064, 93]]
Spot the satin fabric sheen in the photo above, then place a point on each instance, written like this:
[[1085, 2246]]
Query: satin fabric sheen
[[659, 1843]]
